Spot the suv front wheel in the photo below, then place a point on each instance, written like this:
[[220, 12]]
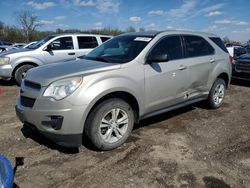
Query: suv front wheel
[[110, 124], [217, 93]]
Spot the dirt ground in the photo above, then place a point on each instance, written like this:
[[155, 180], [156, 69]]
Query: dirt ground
[[190, 147]]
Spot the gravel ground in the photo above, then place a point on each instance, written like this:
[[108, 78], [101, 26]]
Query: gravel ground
[[189, 147]]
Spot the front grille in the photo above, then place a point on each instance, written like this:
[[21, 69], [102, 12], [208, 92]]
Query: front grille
[[243, 66], [27, 102], [32, 85]]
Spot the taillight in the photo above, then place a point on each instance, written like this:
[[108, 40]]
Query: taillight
[[230, 60]]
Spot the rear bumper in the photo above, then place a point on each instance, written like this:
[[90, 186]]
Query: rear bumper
[[6, 71]]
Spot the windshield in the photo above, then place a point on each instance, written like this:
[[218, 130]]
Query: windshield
[[121, 49], [40, 43]]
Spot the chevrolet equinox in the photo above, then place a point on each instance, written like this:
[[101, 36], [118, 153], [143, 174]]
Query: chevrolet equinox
[[128, 78]]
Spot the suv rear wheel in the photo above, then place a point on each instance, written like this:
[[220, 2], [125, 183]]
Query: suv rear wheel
[[110, 124], [217, 93], [20, 73]]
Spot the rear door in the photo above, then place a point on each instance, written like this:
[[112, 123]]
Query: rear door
[[62, 49], [200, 59], [166, 82], [86, 44]]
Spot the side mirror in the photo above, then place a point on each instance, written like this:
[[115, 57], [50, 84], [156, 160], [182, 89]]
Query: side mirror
[[158, 58], [48, 48]]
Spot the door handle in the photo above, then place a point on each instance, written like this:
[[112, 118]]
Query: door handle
[[71, 53], [182, 67], [212, 60]]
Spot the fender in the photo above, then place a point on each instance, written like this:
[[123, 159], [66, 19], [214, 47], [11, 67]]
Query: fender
[[27, 59], [97, 89]]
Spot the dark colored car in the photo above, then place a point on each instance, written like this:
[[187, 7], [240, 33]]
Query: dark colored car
[[239, 51], [241, 67], [4, 43], [247, 47]]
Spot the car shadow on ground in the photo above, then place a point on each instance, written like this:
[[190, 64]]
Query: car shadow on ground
[[165, 116], [36, 136], [243, 83], [7, 83]]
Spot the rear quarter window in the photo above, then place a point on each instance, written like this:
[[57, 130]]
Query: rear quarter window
[[219, 43]]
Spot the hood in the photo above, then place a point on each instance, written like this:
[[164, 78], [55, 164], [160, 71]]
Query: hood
[[13, 51], [47, 74], [244, 56]]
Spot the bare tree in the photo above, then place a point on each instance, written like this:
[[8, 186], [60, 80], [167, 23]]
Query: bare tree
[[29, 23]]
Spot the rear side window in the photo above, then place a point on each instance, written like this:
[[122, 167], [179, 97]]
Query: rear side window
[[219, 43], [197, 46], [105, 39], [87, 42], [170, 46]]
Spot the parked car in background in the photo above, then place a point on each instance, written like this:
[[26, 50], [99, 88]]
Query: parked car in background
[[18, 45], [247, 47], [236, 51], [30, 44], [51, 49], [2, 43], [128, 78], [241, 67], [7, 48]]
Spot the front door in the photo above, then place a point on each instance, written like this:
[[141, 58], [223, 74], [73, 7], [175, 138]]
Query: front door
[[62, 49], [166, 82]]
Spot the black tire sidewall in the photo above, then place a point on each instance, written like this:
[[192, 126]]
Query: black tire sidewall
[[95, 117], [19, 72], [211, 93]]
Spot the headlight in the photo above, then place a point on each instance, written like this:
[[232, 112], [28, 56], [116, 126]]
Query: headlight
[[62, 88], [4, 60]]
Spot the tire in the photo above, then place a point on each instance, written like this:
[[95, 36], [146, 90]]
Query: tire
[[217, 94], [20, 71], [102, 127]]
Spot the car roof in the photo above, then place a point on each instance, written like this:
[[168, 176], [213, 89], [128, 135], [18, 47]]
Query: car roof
[[143, 34], [78, 34], [154, 33]]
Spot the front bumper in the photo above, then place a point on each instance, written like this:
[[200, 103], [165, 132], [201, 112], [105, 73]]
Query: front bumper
[[6, 71], [66, 130]]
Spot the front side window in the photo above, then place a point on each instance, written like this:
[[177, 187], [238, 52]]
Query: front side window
[[197, 46], [170, 46], [64, 43], [87, 42], [121, 49]]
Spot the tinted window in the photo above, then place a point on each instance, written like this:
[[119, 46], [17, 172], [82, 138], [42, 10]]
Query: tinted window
[[197, 46], [219, 43], [105, 39], [170, 46], [64, 43], [87, 42]]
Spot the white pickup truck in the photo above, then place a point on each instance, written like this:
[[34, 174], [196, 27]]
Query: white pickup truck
[[53, 48]]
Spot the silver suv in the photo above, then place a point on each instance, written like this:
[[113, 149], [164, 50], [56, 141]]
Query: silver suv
[[128, 78], [52, 48]]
